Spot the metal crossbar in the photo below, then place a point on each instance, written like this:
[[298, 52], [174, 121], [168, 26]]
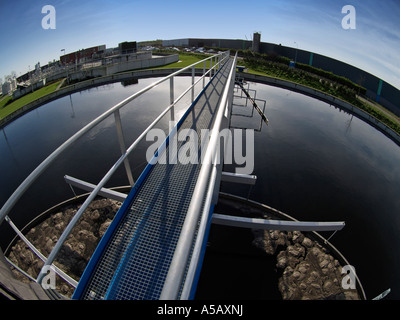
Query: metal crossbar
[[268, 224]]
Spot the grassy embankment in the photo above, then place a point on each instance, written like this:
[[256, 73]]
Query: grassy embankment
[[187, 59], [8, 106]]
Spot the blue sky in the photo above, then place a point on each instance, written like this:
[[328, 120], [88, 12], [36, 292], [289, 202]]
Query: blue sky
[[315, 26]]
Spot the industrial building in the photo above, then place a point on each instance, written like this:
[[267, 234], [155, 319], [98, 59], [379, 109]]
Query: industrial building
[[127, 47], [98, 52], [81, 56]]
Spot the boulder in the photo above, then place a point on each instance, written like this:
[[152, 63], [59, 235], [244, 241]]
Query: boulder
[[282, 260], [103, 227], [307, 243]]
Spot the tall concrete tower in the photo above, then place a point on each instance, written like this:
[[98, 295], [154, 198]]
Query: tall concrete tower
[[256, 42]]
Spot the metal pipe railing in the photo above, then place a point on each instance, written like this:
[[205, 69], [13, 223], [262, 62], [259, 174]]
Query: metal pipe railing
[[176, 272], [97, 189], [61, 273], [187, 287], [9, 204], [94, 193], [123, 159]]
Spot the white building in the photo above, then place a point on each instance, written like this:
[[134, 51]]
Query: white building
[[9, 86]]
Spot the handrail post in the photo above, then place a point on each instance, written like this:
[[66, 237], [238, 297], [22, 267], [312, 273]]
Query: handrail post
[[204, 72], [193, 83], [211, 67], [171, 97], [122, 146]]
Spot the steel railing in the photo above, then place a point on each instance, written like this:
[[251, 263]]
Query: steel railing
[[197, 211], [215, 62]]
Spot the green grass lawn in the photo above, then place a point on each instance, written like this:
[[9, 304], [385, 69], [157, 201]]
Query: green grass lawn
[[186, 60], [4, 100], [18, 103]]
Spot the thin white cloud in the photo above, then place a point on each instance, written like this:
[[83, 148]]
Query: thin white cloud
[[314, 25]]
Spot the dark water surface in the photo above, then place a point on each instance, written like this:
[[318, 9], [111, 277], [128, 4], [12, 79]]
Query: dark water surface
[[319, 163], [313, 161]]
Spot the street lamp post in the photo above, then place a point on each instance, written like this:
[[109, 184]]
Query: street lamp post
[[66, 67]]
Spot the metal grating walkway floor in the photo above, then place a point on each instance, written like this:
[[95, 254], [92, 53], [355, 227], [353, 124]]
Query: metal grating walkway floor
[[133, 258]]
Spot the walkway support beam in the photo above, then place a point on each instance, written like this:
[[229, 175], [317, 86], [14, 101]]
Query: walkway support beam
[[104, 192], [267, 224]]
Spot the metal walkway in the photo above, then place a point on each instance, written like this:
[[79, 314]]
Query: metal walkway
[[133, 259]]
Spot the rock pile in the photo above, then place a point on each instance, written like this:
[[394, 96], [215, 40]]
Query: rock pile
[[309, 272], [77, 249]]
